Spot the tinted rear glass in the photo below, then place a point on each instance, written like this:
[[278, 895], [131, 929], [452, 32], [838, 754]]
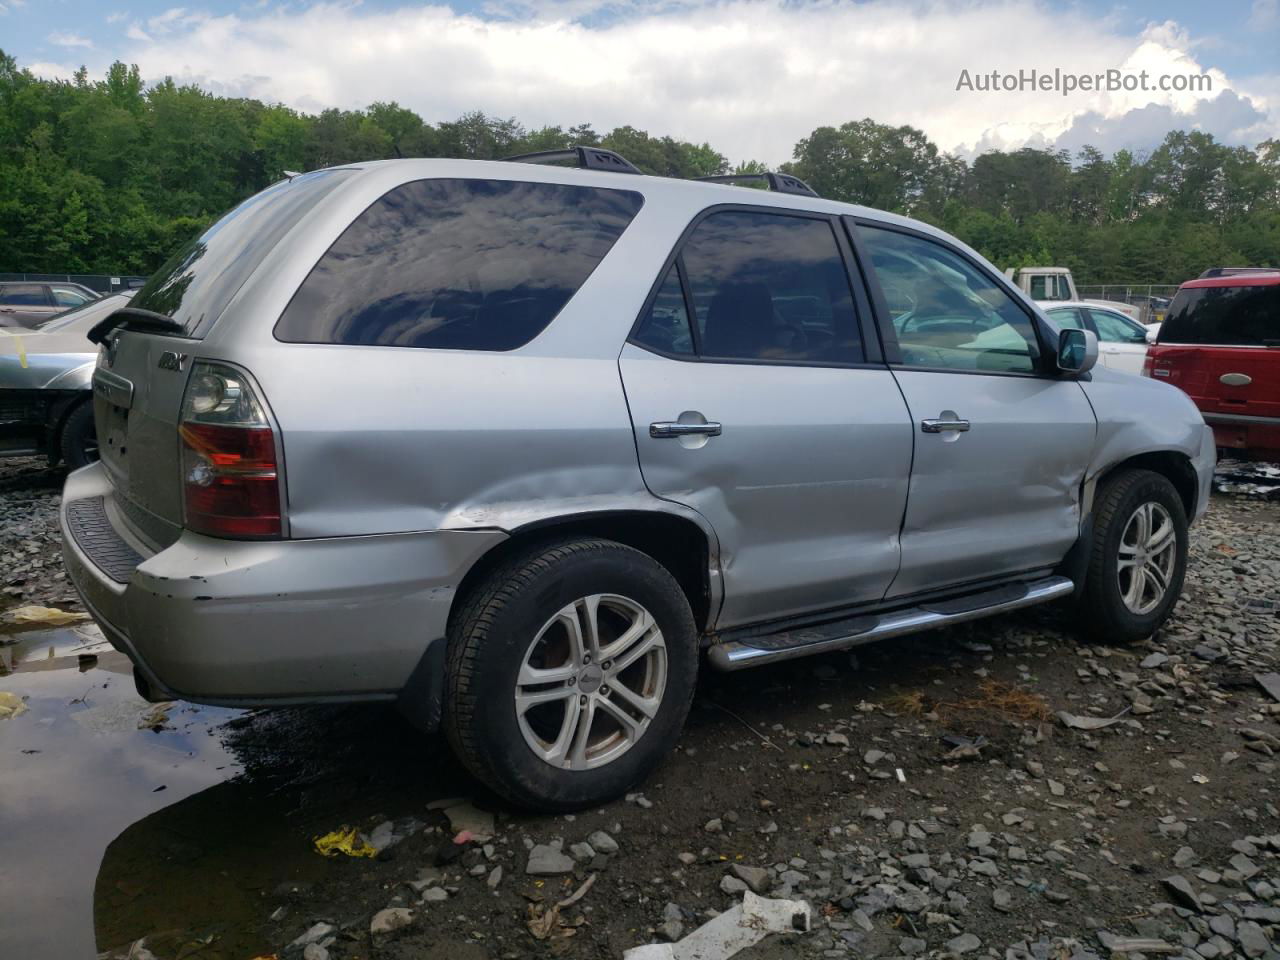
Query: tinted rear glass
[[458, 264], [202, 277], [1224, 316]]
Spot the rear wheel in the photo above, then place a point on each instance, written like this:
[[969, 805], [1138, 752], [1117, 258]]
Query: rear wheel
[[78, 442], [1139, 557], [570, 673]]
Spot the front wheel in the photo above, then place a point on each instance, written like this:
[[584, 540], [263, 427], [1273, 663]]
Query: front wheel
[[1139, 557], [570, 674]]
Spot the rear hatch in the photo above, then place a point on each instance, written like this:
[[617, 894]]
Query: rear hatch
[[1221, 344], [143, 370]]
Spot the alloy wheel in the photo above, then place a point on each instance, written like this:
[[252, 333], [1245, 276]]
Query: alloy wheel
[[591, 682], [1148, 553]]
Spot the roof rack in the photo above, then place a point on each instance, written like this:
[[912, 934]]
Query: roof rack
[[1235, 271], [589, 158], [777, 182]]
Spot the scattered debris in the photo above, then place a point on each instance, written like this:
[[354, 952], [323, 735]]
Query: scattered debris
[[344, 840], [43, 616], [739, 927], [11, 705], [1270, 682], [1090, 723], [156, 718]]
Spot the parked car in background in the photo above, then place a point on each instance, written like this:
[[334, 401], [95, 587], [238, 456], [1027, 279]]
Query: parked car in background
[[1221, 344], [605, 423], [26, 303], [1235, 271], [1122, 341], [46, 382]]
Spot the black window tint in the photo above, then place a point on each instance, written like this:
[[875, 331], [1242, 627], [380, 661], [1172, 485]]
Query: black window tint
[[458, 264], [24, 295], [202, 277], [947, 313], [770, 287], [1246, 316], [665, 326]]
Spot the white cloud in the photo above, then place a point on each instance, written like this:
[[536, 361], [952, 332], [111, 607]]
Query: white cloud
[[65, 39], [749, 76], [118, 16], [135, 32], [1264, 15]]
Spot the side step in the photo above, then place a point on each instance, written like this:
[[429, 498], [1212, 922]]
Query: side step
[[840, 634]]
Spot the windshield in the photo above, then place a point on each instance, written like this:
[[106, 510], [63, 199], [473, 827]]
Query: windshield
[[202, 277]]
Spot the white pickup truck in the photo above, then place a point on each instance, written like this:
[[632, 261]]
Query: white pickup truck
[[1055, 283]]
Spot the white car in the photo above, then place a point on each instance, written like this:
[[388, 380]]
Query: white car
[[1122, 341]]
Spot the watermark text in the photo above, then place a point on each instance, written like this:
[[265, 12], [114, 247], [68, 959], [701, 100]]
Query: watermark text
[[1065, 82]]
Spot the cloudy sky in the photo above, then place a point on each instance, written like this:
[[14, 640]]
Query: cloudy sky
[[750, 76]]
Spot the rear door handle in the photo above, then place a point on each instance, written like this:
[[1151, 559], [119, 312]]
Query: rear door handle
[[672, 429], [944, 423]]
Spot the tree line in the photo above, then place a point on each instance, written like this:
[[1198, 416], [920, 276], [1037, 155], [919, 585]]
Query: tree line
[[111, 175]]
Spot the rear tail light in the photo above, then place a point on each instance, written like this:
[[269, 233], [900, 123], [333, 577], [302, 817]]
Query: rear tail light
[[230, 465], [1147, 363]]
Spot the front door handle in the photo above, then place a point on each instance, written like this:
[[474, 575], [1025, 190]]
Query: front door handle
[[672, 429], [949, 421]]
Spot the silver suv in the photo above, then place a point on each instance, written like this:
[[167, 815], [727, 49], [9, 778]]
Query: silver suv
[[516, 445]]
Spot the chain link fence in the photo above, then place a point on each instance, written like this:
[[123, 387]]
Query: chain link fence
[[1151, 299]]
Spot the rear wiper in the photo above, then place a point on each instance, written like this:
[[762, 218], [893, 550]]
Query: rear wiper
[[135, 317]]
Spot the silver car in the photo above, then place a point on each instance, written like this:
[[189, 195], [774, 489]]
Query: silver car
[[521, 446], [46, 372]]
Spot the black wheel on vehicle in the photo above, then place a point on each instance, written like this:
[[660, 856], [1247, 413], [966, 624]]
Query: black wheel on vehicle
[[78, 443], [1139, 557], [570, 673]]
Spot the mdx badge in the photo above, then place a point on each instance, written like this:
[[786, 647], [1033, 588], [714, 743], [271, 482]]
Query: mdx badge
[[172, 360]]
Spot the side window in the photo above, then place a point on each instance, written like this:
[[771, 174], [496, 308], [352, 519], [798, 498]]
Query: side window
[[24, 295], [769, 286], [1040, 287], [458, 265], [1113, 329], [66, 297], [946, 312], [1067, 318], [665, 327]]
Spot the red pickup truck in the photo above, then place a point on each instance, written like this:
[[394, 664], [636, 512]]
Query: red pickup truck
[[1220, 342]]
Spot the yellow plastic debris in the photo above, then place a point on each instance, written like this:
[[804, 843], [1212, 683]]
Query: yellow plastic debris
[[344, 840], [11, 705], [50, 616]]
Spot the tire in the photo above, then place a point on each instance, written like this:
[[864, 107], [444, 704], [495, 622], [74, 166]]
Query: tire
[[78, 442], [1112, 608], [520, 619]]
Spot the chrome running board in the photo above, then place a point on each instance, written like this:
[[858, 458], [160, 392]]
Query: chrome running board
[[841, 634]]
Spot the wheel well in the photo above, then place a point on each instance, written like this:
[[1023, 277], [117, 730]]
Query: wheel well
[[678, 544], [1176, 467]]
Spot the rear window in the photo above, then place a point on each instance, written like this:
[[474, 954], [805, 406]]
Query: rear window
[[458, 264], [24, 295], [1224, 316], [202, 277]]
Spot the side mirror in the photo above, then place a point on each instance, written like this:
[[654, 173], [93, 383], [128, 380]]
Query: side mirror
[[1077, 351], [1152, 333]]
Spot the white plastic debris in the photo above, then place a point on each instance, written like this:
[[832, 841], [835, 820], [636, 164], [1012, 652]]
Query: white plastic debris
[[742, 926]]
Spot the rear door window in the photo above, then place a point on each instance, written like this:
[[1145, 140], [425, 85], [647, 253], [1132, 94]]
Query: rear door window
[[458, 265], [769, 286], [1239, 316], [69, 296], [201, 278], [24, 295]]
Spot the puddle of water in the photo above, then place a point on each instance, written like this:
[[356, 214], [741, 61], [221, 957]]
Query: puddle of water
[[112, 833], [75, 770]]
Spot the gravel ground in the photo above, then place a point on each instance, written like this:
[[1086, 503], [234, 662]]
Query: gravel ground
[[924, 795]]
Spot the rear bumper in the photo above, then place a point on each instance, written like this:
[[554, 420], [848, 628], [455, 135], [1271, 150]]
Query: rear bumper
[[262, 623], [1256, 437]]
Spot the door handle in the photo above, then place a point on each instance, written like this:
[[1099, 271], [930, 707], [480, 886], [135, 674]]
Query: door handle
[[671, 429], [948, 423]]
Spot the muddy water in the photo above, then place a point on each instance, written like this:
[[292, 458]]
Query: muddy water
[[110, 832]]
